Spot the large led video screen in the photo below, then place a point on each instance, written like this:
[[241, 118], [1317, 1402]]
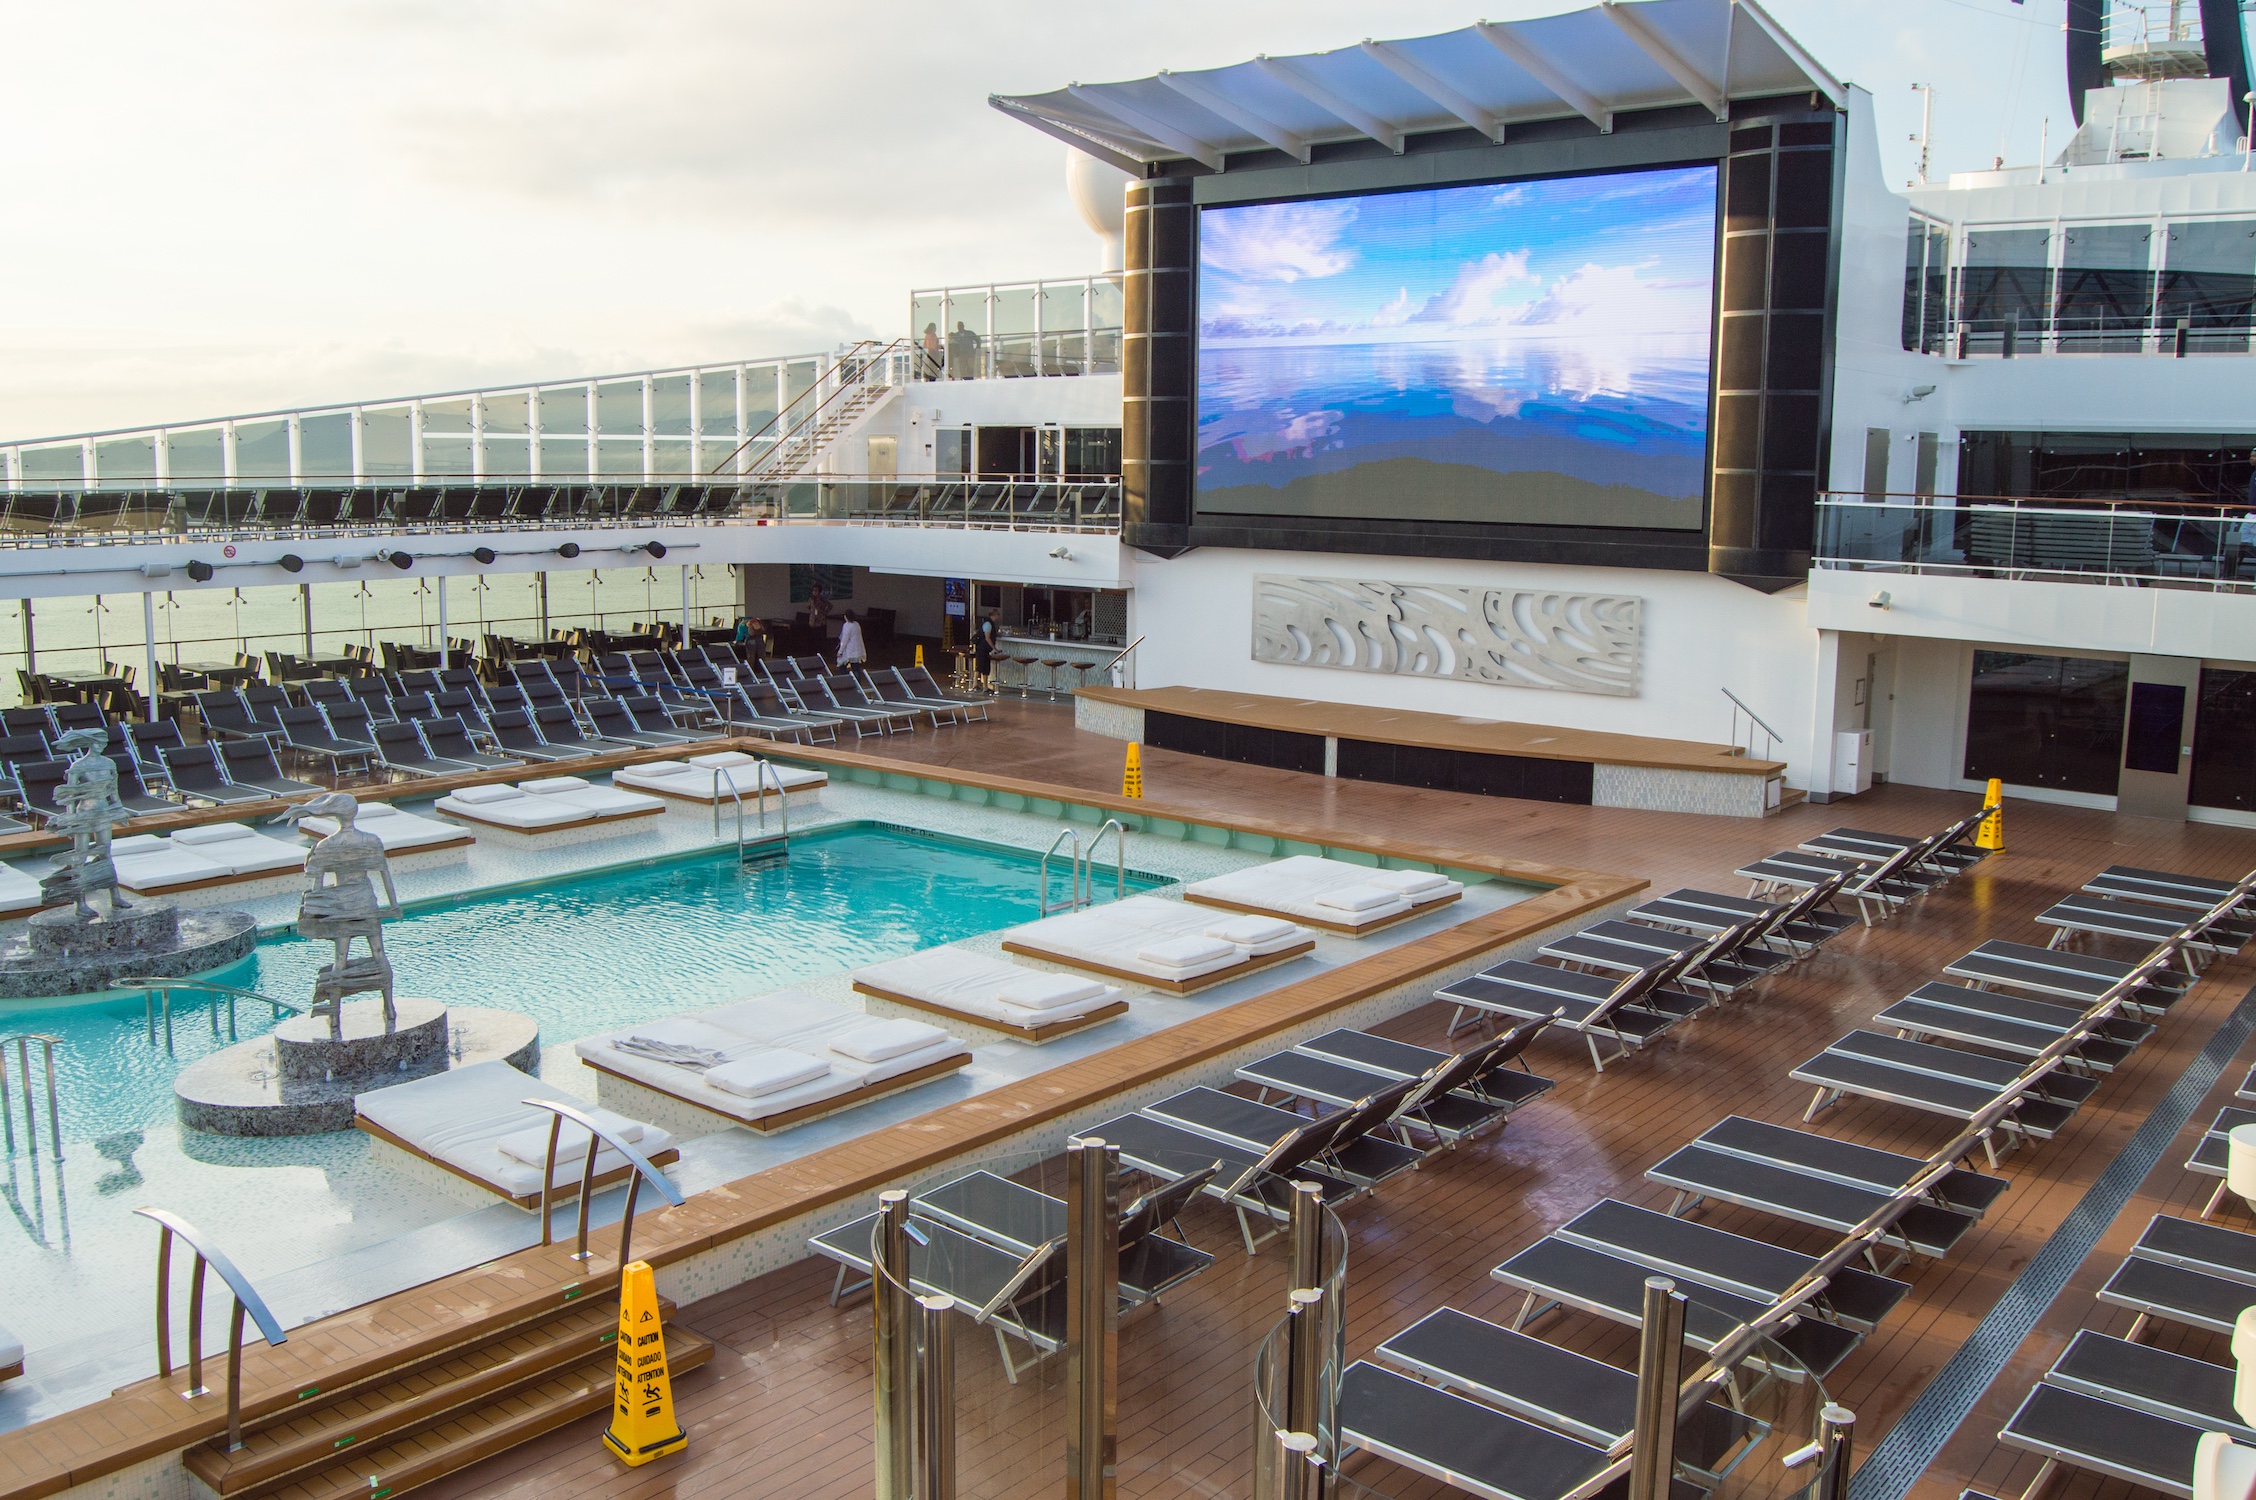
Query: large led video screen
[[1530, 352]]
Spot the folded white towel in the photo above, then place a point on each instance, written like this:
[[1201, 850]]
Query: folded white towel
[[1408, 882], [721, 758], [1044, 991], [209, 833], [769, 1072], [1248, 930], [474, 795], [1185, 952], [530, 1145], [881, 1040], [547, 785], [369, 810], [1353, 898], [659, 768]]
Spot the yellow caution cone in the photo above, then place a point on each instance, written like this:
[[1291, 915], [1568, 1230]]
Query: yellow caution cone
[[1132, 778], [1990, 834], [920, 656], [642, 1397]]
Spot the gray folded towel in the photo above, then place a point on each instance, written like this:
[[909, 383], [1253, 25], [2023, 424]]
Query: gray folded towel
[[680, 1054]]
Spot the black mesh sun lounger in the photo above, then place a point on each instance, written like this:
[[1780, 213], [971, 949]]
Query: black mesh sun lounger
[[1632, 1010], [197, 775], [517, 734], [1020, 1219], [1699, 1173], [1022, 1296], [37, 782], [2209, 1248], [1822, 1156], [2085, 1432], [2136, 921], [890, 691], [251, 763], [2195, 892], [1462, 1443], [2151, 1380], [1569, 1393], [2212, 1151], [2076, 977], [1249, 1181], [2175, 1294], [1353, 1153], [919, 682], [448, 738], [307, 732], [1938, 1080], [1925, 1020], [612, 724], [400, 747]]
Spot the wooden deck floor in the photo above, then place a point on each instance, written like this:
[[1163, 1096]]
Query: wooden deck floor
[[784, 1410]]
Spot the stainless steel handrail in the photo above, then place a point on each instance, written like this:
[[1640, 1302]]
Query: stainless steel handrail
[[642, 1168], [737, 793], [1074, 878], [246, 1300], [153, 985], [23, 1043], [1088, 865], [1739, 706], [762, 773]]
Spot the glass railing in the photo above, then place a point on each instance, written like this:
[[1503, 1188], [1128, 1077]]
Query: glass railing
[[1018, 329], [2134, 542], [951, 500]]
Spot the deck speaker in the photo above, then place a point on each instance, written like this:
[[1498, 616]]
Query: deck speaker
[[200, 571], [484, 554], [291, 562]]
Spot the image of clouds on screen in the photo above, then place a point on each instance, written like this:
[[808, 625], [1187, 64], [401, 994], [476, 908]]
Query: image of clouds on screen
[[1531, 352]]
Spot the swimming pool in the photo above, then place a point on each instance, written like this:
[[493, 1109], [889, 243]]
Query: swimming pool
[[592, 952]]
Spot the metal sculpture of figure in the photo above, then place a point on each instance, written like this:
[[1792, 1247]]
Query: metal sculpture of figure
[[88, 797], [340, 904]]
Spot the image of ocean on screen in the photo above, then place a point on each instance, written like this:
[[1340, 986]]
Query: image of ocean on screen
[[1533, 352]]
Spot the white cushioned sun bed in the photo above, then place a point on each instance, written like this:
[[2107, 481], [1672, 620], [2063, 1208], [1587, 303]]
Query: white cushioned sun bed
[[212, 854], [695, 778], [11, 1355], [474, 1123], [1327, 893], [19, 892], [401, 832], [777, 1060], [1035, 1005], [546, 804], [1165, 944]]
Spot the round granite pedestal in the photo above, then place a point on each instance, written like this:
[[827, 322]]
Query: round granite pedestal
[[60, 953], [289, 1084]]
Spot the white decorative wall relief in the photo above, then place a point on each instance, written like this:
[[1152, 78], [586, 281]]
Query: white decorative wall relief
[[1580, 643]]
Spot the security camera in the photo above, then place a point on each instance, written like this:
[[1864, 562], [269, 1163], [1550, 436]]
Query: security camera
[[1880, 600], [1061, 554], [1917, 393]]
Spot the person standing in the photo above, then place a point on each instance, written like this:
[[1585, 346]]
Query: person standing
[[851, 651], [984, 641]]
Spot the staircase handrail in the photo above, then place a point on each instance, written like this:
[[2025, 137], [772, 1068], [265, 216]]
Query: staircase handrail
[[865, 355], [247, 1300], [643, 1167]]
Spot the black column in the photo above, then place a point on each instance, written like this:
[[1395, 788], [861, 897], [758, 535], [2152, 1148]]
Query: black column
[[1773, 358], [2085, 71], [1156, 362], [2226, 48]]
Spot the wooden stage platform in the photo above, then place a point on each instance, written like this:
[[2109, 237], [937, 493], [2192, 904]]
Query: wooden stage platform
[[1442, 752]]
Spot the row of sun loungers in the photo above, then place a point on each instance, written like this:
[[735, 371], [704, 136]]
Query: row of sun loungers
[[1881, 872]]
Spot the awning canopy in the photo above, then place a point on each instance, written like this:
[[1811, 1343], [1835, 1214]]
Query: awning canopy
[[1616, 56]]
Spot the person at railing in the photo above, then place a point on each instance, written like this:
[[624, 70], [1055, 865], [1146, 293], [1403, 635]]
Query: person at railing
[[818, 609], [983, 642], [851, 650], [929, 366], [963, 353]]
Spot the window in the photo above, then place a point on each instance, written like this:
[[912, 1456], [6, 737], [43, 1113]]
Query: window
[[1092, 452], [2002, 290], [2209, 283], [2105, 291], [1876, 464], [2046, 721], [1926, 285], [2224, 741]]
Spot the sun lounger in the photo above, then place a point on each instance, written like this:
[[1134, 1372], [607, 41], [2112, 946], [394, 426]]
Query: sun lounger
[[1327, 893], [38, 782], [1698, 1173], [251, 763], [1355, 1155], [518, 735], [1923, 1020], [882, 694], [197, 774], [473, 1122], [723, 775], [1034, 1005], [1253, 1182], [1464, 1444], [613, 724], [546, 805], [2193, 892], [2085, 1432], [197, 858], [843, 695], [777, 1060], [2079, 978], [2151, 1380], [1824, 1157], [306, 731], [447, 737], [2113, 1037], [918, 682], [2210, 1153], [1939, 1080], [1461, 1095], [399, 832], [1632, 1011], [1569, 1393], [1731, 1262], [807, 698], [1017, 1218], [1168, 945], [400, 747], [2140, 922], [1557, 1271]]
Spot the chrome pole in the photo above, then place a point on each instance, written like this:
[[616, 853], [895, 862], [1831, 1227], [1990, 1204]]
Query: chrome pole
[[1092, 1319], [7, 1109], [936, 1397], [548, 1178], [54, 1116], [31, 1105], [1300, 1472], [1837, 1430], [895, 1348], [1307, 1235], [1660, 1359]]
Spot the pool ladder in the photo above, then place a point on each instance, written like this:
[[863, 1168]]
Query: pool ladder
[[22, 1045], [156, 1002], [762, 774], [1081, 890]]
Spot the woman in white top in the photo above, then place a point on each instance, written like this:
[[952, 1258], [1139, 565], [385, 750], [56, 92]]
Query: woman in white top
[[851, 652]]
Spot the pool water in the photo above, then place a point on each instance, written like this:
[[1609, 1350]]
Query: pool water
[[589, 953]]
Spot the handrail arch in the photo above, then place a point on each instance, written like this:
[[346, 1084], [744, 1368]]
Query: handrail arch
[[642, 1168], [246, 1297]]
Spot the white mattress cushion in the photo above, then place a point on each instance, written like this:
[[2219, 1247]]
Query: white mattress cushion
[[16, 888], [880, 1040], [369, 810], [163, 867], [1185, 952], [138, 843], [11, 1348], [530, 1145], [721, 758], [1042, 990], [476, 796], [658, 768], [211, 833], [1358, 898], [253, 854], [549, 785], [606, 800], [1408, 882], [769, 1072], [1250, 930]]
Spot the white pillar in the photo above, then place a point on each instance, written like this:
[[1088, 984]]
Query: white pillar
[[444, 663], [149, 650], [685, 606]]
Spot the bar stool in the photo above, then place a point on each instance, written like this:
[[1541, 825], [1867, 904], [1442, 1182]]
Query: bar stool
[[1041, 676], [1065, 676], [1010, 672]]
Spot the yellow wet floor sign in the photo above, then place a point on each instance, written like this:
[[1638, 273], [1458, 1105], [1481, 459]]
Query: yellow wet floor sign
[[642, 1398], [1132, 775]]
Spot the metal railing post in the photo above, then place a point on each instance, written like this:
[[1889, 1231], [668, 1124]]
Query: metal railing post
[[895, 1339], [1092, 1334], [1307, 1235], [1300, 1468], [936, 1397], [1837, 1431], [1304, 1360], [1660, 1359]]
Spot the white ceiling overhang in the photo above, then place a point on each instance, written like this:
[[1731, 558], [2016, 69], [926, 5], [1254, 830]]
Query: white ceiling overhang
[[1616, 56]]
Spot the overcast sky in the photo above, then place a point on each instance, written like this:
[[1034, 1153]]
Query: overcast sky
[[247, 204]]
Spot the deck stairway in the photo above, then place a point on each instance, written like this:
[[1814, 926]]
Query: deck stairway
[[851, 391], [445, 1409]]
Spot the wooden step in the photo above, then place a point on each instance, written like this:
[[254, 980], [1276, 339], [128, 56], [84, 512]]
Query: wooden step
[[426, 1392], [403, 1463]]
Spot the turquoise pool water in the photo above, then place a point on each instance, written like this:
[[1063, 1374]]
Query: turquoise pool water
[[589, 953]]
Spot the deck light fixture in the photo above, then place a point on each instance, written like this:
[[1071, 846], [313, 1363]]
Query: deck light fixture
[[569, 549], [1881, 600], [291, 562], [484, 554]]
